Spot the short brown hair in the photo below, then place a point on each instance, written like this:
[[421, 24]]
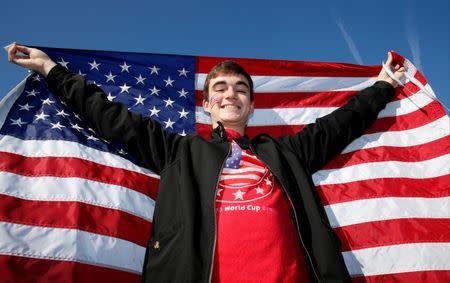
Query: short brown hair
[[228, 67]]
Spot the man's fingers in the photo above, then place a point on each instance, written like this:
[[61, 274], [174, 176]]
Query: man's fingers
[[389, 59], [23, 49], [11, 51]]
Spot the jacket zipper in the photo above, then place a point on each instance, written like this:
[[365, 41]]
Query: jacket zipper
[[295, 216], [215, 216]]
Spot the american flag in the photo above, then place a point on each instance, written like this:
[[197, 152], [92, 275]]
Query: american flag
[[77, 208]]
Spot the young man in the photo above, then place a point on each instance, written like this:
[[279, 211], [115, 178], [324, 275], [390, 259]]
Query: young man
[[230, 208]]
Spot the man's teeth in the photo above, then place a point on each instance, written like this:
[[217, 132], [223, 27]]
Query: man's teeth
[[230, 107]]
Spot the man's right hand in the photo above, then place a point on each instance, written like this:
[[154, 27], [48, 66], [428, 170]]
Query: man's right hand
[[34, 59]]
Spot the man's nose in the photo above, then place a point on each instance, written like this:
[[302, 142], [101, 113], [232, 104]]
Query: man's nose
[[230, 92]]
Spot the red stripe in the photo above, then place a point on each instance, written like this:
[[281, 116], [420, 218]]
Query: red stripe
[[76, 167], [20, 269], [75, 215], [390, 153], [432, 276], [204, 130], [295, 99], [415, 119], [265, 67], [401, 231], [385, 187]]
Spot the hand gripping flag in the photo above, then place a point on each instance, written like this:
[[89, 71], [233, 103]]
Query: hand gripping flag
[[77, 208]]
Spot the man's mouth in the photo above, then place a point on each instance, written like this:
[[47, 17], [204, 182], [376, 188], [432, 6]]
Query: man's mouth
[[230, 107]]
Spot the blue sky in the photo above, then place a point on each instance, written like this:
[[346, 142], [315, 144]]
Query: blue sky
[[341, 31]]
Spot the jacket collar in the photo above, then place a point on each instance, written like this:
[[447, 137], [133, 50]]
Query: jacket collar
[[220, 134]]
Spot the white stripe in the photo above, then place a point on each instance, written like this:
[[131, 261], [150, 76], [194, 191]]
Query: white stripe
[[242, 176], [7, 102], [435, 167], [61, 148], [398, 259], [405, 105], [427, 133], [70, 245], [297, 84], [252, 165], [243, 170], [275, 116], [378, 209], [77, 189]]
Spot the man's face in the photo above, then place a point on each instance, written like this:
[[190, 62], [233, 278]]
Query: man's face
[[229, 100]]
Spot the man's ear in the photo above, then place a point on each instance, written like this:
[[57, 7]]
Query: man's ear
[[206, 106], [252, 107]]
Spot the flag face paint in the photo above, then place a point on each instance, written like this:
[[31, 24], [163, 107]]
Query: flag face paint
[[214, 100], [93, 207]]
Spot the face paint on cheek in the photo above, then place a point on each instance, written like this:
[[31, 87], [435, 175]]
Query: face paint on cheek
[[214, 100]]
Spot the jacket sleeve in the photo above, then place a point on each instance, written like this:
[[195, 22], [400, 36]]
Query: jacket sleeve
[[143, 137], [321, 141]]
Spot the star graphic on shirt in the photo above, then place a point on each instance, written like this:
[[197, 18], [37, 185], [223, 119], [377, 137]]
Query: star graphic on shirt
[[154, 90], [110, 97], [239, 195], [41, 116], [183, 93], [140, 79], [47, 101], [63, 63], [259, 190], [169, 81], [154, 70], [32, 92], [17, 122], [169, 124], [76, 127], [183, 72], [125, 67], [122, 152], [183, 114], [169, 102], [81, 74], [268, 182], [94, 65], [183, 133], [219, 191], [139, 100], [57, 126], [61, 113], [154, 111], [110, 77], [124, 88], [26, 107]]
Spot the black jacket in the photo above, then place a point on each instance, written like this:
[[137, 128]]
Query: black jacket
[[181, 248]]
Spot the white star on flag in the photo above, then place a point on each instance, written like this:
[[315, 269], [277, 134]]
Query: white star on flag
[[154, 90], [17, 122], [94, 65], [63, 63], [110, 77], [41, 116], [124, 88], [154, 70], [125, 67], [183, 72], [169, 81], [169, 124], [57, 126]]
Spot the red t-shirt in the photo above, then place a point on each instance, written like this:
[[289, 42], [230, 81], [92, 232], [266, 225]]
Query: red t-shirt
[[256, 235]]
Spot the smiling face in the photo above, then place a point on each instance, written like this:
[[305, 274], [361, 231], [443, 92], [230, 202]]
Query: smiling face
[[229, 101]]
